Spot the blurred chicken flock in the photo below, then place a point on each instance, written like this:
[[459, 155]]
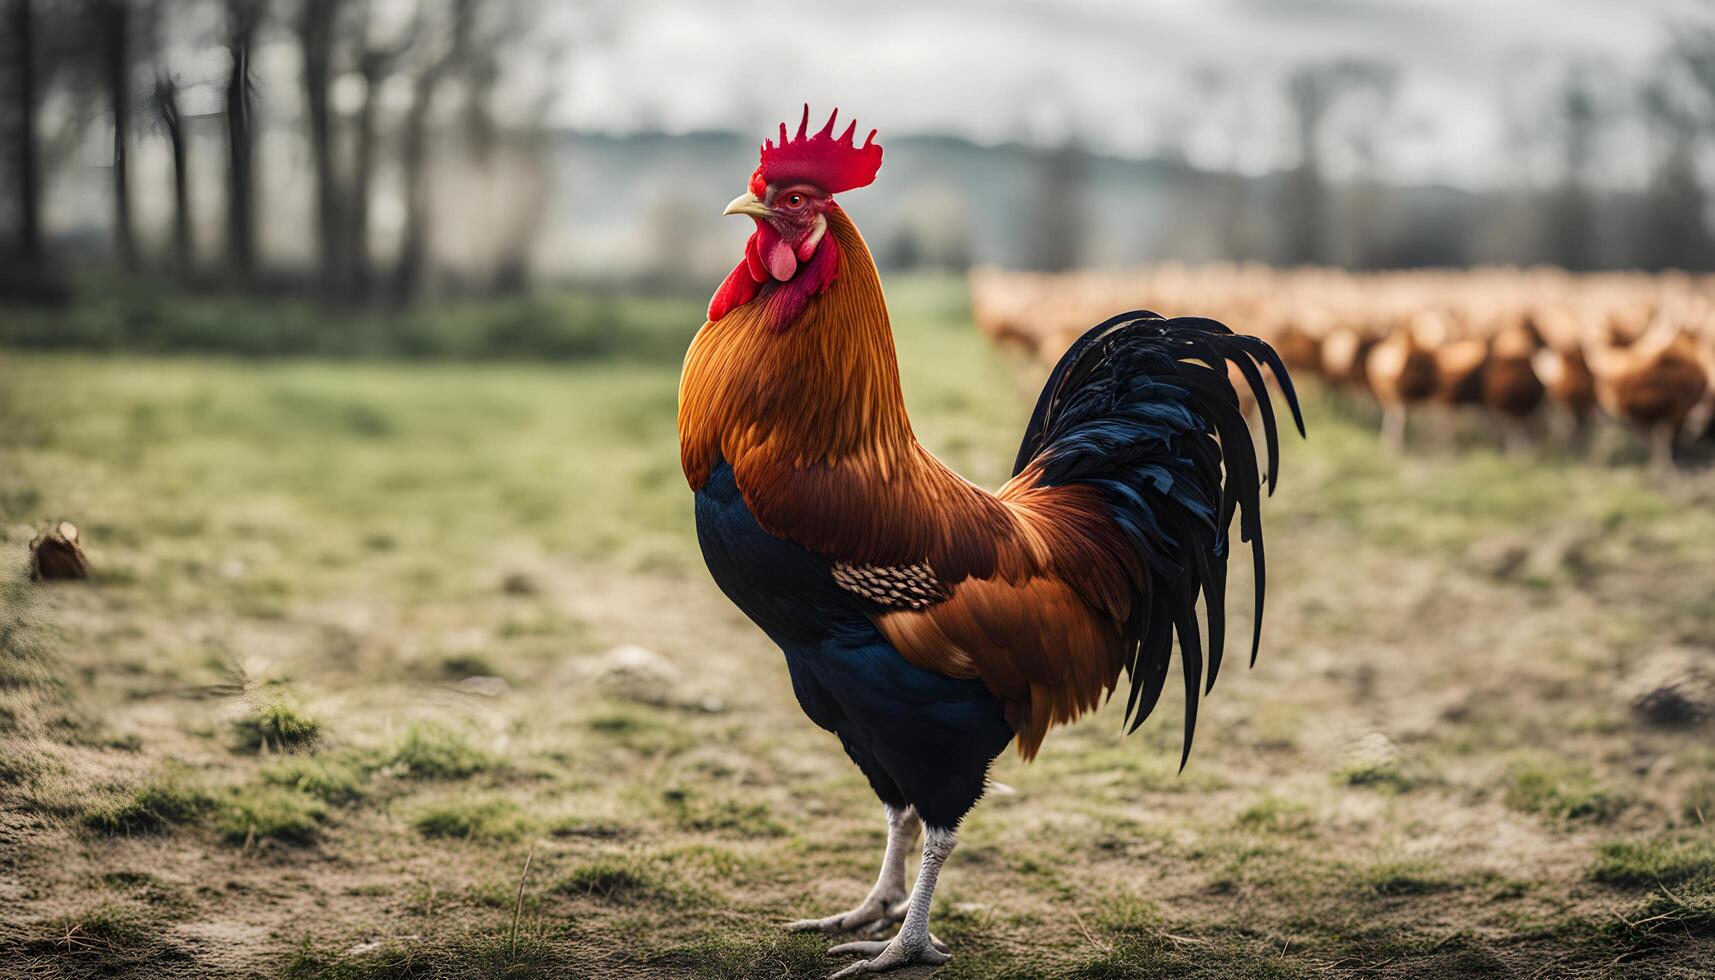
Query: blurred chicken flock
[[1536, 352]]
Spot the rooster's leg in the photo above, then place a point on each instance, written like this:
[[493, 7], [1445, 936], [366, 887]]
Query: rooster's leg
[[913, 944], [883, 906]]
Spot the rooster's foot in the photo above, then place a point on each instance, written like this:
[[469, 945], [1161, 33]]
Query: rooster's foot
[[890, 955], [875, 914]]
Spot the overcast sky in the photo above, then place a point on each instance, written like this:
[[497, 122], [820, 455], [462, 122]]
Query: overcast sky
[[1131, 77]]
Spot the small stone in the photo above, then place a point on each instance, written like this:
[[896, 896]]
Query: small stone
[[638, 674]]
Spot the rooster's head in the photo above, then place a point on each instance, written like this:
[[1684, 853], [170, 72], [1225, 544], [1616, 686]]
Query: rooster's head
[[789, 198]]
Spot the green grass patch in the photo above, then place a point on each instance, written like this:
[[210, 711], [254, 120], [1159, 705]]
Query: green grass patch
[[1663, 919], [493, 954], [1404, 878], [1388, 774], [769, 956], [1127, 914], [456, 666], [1275, 815], [1661, 861], [431, 750], [1561, 791], [694, 811], [335, 780], [619, 880], [272, 813], [277, 725], [495, 820], [149, 808], [1160, 955]]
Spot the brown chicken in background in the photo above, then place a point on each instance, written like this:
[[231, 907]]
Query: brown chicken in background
[[1511, 388], [1564, 372], [1300, 349], [1345, 357], [1401, 373], [1653, 383], [1459, 371]]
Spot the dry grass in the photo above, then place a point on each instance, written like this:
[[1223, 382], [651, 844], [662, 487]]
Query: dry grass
[[1432, 771]]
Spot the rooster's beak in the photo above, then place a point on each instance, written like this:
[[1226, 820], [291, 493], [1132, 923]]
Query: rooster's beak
[[747, 204]]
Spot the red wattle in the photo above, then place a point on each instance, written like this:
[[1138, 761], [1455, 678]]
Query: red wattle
[[739, 288], [777, 256]]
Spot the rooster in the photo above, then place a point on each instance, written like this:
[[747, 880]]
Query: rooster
[[926, 622]]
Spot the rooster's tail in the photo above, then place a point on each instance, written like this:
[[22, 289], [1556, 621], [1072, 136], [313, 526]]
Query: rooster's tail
[[1142, 408]]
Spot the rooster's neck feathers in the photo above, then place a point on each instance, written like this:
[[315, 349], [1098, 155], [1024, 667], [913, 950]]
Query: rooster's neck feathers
[[811, 418]]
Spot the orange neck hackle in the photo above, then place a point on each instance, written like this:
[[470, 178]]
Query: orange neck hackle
[[810, 416], [820, 390]]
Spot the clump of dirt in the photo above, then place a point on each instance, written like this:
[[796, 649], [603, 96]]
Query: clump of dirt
[[56, 556], [1674, 689]]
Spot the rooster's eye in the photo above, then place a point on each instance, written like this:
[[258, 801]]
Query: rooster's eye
[[794, 200]]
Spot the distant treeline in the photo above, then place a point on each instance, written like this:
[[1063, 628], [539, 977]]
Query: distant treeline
[[129, 71], [404, 152]]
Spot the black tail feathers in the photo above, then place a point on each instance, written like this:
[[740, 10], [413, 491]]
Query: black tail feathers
[[1142, 408]]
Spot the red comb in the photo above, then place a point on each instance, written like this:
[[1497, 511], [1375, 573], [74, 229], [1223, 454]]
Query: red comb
[[833, 164]]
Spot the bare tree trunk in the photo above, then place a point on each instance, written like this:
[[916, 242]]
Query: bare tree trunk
[[167, 108], [414, 158], [1308, 92], [315, 36], [357, 237], [22, 29], [116, 15], [1058, 217], [375, 64], [240, 191]]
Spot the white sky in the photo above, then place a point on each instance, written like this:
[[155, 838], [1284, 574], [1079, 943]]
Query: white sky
[[1132, 77]]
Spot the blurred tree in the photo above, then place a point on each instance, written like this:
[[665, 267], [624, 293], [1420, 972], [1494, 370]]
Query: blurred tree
[[20, 30], [315, 29], [376, 62], [1365, 89], [1359, 122], [113, 20], [242, 18], [528, 71], [1673, 232], [436, 69], [1054, 234], [164, 108], [1573, 236], [1309, 92]]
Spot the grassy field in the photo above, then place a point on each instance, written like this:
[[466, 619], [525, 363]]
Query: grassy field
[[414, 670]]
